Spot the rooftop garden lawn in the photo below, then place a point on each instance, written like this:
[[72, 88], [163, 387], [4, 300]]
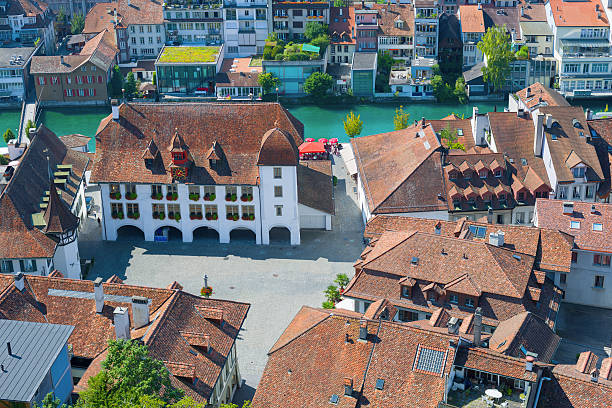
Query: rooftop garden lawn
[[256, 61], [292, 51], [189, 54]]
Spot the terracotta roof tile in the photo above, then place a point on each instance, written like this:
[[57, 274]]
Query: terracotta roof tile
[[472, 19], [493, 362], [390, 16], [341, 31], [539, 95], [570, 388], [601, 129], [578, 14]]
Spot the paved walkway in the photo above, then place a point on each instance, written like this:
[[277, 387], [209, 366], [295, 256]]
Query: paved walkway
[[277, 280], [29, 114]]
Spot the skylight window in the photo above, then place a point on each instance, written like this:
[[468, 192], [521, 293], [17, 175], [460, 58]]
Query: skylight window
[[517, 257], [459, 132], [597, 226], [415, 260], [334, 399], [380, 384], [478, 232], [523, 161], [428, 360], [575, 224]]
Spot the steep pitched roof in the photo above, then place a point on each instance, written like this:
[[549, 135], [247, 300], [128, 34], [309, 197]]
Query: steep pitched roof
[[58, 218], [400, 170], [315, 188], [539, 95], [238, 128], [472, 19]]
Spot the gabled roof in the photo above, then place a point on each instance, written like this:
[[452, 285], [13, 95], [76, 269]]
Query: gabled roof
[[490, 361], [579, 13], [472, 19], [601, 130], [239, 128], [58, 218], [400, 170], [315, 188], [539, 95]]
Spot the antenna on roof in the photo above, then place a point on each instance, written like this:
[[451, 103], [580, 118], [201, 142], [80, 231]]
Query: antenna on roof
[[49, 172]]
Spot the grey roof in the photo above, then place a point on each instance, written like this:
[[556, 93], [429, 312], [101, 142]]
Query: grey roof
[[535, 28], [7, 53], [473, 73], [35, 346], [364, 60]]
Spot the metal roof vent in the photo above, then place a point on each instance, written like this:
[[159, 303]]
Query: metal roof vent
[[415, 260]]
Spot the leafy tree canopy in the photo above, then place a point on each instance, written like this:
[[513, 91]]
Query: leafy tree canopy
[[318, 84], [450, 137], [496, 46], [77, 23], [314, 30], [400, 120], [268, 82], [353, 125], [8, 135]]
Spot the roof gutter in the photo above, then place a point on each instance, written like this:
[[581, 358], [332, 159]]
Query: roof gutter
[[537, 398], [367, 368]]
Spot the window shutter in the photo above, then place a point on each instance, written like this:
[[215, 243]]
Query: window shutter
[[100, 78], [94, 92], [65, 92]]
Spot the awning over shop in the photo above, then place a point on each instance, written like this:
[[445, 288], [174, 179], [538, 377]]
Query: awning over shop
[[311, 147]]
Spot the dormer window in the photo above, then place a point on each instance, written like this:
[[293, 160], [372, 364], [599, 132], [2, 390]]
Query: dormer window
[[178, 156], [469, 302], [578, 172], [213, 163], [453, 175], [498, 173], [483, 174], [406, 291], [453, 298], [521, 196], [502, 197]]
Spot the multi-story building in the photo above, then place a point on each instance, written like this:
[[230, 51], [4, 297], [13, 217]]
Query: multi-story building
[[581, 33], [15, 71], [414, 81], [588, 281], [421, 265], [221, 168], [366, 29], [471, 19], [293, 74], [26, 23], [194, 337], [194, 23], [396, 36], [426, 27], [72, 7], [41, 208], [246, 25], [534, 29], [534, 97], [188, 69], [76, 78], [291, 17], [146, 32], [341, 35]]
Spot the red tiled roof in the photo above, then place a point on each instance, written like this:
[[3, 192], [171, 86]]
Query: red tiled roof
[[472, 19], [100, 17], [68, 301], [549, 214], [390, 15], [569, 388], [601, 129], [239, 130], [341, 31], [578, 14], [493, 362], [141, 12], [539, 95]]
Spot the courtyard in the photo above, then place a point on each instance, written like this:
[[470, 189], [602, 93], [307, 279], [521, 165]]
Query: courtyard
[[277, 280]]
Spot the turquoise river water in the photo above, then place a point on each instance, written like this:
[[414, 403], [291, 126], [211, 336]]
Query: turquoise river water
[[318, 121]]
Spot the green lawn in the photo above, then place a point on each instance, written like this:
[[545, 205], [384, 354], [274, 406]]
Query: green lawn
[[256, 61], [189, 54]]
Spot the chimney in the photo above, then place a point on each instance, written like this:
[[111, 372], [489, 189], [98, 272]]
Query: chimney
[[549, 121], [522, 12], [490, 216], [115, 109], [62, 59], [594, 375], [568, 208], [519, 112], [539, 134], [348, 386], [529, 363], [99, 295], [453, 325], [589, 114], [363, 330], [479, 6], [477, 326], [121, 319], [496, 239], [528, 94], [140, 311], [19, 281], [593, 209], [8, 348]]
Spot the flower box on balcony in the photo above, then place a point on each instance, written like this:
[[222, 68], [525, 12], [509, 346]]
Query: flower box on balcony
[[212, 216], [114, 215], [134, 216], [231, 197], [157, 196], [246, 197], [194, 197], [131, 196], [177, 216], [172, 197], [120, 215], [233, 217], [251, 217], [210, 197], [195, 216], [158, 216], [115, 196]]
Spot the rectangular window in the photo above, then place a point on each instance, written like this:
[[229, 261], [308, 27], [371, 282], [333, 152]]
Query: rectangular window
[[6, 267], [211, 212], [248, 212], [454, 298], [247, 193], [117, 210], [469, 302], [174, 210], [114, 188], [172, 189], [278, 210], [407, 316], [132, 210], [605, 260], [28, 265], [278, 172], [231, 193], [231, 211], [157, 210], [575, 224], [563, 278], [574, 257], [209, 191], [599, 281], [130, 188], [156, 191], [194, 190], [278, 191], [195, 211]]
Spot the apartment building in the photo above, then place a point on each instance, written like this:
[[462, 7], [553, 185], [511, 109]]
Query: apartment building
[[534, 29], [588, 281], [581, 33], [366, 29], [396, 36], [15, 71], [194, 23], [72, 7], [144, 20], [26, 22], [181, 183], [76, 78], [290, 17], [246, 26], [341, 35], [471, 19], [193, 336], [426, 28], [41, 208]]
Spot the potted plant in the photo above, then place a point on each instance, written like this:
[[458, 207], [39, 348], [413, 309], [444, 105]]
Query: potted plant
[[155, 215], [249, 197], [230, 217], [114, 214], [213, 196], [235, 217], [243, 197], [162, 215], [234, 197], [206, 197], [215, 216], [136, 215], [228, 197], [120, 215], [177, 216], [116, 195], [245, 217], [192, 216], [130, 196], [208, 216], [194, 197], [206, 291], [156, 196], [252, 217]]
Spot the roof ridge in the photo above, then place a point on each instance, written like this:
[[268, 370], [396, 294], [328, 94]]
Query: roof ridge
[[493, 255], [157, 323], [411, 234], [302, 333]]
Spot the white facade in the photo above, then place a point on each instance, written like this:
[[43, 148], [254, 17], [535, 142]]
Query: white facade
[[228, 381], [245, 26], [274, 205], [146, 40], [192, 25]]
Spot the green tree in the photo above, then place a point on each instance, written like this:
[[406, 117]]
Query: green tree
[[245, 404], [450, 137], [318, 84], [154, 78], [353, 125], [400, 120], [127, 376], [29, 125], [50, 402], [496, 46], [4, 160], [341, 280], [314, 29], [328, 305], [268, 82], [332, 294], [8, 135], [130, 85], [522, 53], [441, 89], [77, 23], [460, 92], [322, 42], [116, 82]]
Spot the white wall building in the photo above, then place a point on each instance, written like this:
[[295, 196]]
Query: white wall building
[[589, 281], [194, 24], [235, 178], [246, 25]]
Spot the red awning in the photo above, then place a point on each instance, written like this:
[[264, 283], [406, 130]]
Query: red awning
[[312, 147]]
